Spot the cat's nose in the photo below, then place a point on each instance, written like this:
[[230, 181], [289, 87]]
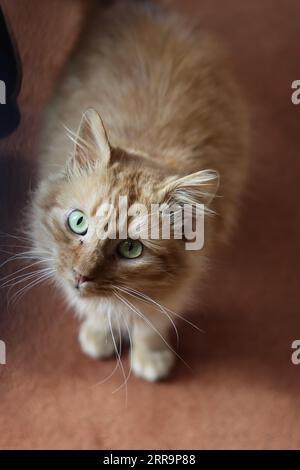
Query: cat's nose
[[80, 278]]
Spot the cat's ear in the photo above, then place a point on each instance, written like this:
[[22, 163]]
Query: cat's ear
[[196, 188], [91, 142]]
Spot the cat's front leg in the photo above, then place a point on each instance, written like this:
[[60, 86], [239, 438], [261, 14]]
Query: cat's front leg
[[96, 339], [151, 358]]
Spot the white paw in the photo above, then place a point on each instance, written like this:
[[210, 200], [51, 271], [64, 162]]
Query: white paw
[[152, 365], [96, 343]]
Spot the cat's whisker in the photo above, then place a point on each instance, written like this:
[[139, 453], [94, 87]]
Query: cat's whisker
[[25, 255], [22, 269], [12, 258], [30, 251], [14, 246], [34, 252], [22, 278], [160, 308], [29, 276], [150, 324], [17, 237], [5, 252], [24, 290], [101, 382], [15, 299], [176, 314], [118, 355], [130, 343]]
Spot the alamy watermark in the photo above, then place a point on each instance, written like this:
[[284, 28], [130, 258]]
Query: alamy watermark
[[296, 94], [295, 357], [2, 92], [2, 353], [159, 222]]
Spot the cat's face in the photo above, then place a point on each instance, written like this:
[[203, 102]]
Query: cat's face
[[68, 215]]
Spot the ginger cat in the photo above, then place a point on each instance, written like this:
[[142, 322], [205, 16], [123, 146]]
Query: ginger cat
[[172, 128]]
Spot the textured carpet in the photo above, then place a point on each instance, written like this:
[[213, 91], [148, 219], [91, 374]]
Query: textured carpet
[[243, 391]]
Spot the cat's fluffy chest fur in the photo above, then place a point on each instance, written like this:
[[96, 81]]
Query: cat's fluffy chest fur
[[170, 112]]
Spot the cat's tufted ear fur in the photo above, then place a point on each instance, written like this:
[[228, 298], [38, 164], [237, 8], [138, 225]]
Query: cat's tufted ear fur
[[91, 141], [196, 188]]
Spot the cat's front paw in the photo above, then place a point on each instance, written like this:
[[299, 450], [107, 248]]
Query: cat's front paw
[[151, 364], [96, 343]]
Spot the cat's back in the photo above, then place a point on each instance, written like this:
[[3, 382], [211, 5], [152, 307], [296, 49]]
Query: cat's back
[[158, 83]]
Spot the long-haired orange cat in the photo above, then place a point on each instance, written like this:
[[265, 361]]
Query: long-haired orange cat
[[157, 118]]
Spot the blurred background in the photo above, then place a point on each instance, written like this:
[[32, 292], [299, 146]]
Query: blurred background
[[243, 390]]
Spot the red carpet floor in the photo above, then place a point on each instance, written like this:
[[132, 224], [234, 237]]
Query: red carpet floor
[[243, 391]]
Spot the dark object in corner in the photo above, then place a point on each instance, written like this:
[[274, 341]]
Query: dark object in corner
[[10, 80]]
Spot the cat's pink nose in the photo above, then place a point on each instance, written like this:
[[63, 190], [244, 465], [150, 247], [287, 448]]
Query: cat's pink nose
[[80, 278]]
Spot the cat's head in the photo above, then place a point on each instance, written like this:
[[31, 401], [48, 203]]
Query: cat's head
[[68, 208]]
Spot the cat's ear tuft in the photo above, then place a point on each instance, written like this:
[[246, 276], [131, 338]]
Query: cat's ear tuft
[[91, 142], [196, 188]]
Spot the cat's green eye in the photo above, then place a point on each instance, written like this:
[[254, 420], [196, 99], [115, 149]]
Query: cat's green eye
[[78, 222], [130, 249]]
